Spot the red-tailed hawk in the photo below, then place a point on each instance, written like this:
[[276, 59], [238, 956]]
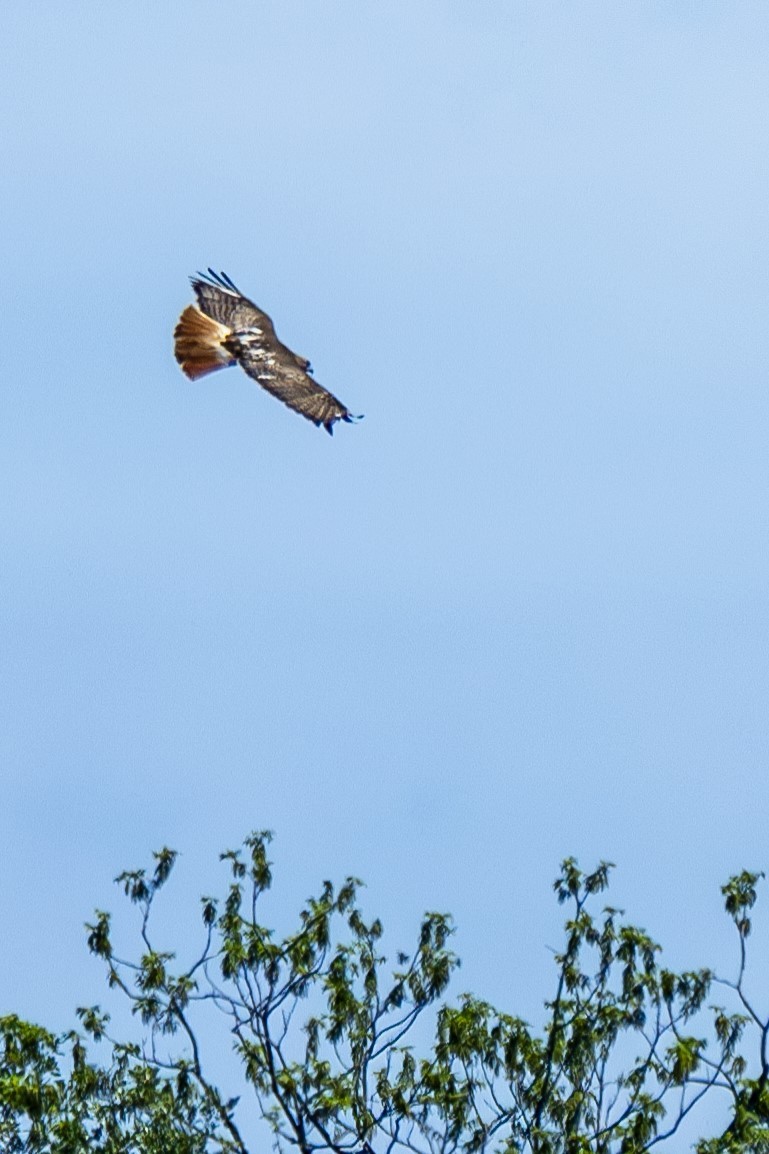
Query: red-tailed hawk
[[227, 328]]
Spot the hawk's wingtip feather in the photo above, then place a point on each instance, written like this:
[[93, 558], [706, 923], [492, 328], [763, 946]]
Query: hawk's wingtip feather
[[217, 279]]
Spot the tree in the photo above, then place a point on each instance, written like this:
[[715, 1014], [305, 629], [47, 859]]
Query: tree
[[326, 1035]]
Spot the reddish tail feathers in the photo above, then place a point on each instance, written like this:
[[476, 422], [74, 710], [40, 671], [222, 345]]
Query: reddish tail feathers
[[198, 344]]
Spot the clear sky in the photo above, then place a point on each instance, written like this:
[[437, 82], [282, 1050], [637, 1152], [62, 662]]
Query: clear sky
[[518, 612]]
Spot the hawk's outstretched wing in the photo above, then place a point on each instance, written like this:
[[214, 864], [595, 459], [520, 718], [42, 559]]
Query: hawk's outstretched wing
[[227, 328]]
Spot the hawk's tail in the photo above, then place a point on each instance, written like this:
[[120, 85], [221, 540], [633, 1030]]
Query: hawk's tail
[[198, 344]]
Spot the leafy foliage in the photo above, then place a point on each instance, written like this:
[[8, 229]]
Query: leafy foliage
[[627, 1051], [127, 1106]]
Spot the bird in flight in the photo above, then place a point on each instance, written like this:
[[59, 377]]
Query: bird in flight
[[227, 328]]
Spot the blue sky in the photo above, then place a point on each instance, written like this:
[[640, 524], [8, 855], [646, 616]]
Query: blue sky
[[520, 611]]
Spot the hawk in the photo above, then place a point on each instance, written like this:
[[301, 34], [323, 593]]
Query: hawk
[[227, 328]]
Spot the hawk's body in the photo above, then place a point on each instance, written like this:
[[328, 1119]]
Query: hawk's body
[[226, 329]]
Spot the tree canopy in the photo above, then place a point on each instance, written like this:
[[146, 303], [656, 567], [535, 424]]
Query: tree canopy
[[333, 1056]]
